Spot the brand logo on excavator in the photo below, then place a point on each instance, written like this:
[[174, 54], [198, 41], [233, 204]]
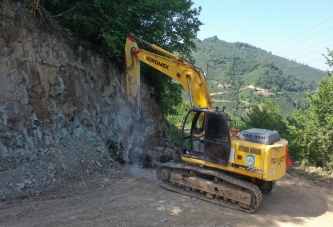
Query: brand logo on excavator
[[157, 62]]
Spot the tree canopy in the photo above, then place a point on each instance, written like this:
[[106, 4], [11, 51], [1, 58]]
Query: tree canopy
[[171, 24], [311, 127], [267, 116]]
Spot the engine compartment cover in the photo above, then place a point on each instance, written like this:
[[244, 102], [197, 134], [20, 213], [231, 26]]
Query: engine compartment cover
[[259, 135]]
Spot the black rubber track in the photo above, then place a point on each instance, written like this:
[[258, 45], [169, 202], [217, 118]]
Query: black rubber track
[[215, 173]]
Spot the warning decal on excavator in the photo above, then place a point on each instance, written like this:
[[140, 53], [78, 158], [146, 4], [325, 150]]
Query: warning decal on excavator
[[250, 160], [271, 172], [280, 160]]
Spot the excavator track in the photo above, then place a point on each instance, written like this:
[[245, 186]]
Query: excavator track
[[182, 178]]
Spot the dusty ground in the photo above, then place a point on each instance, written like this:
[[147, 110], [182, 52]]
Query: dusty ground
[[129, 196]]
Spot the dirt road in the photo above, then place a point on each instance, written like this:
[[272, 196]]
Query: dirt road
[[131, 197]]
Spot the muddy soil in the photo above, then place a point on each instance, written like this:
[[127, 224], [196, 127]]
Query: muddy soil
[[130, 196]]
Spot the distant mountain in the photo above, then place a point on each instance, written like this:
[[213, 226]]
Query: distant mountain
[[239, 74]]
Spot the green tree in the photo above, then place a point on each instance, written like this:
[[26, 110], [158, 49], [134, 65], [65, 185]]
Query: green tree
[[171, 24], [311, 127], [169, 92], [267, 116], [175, 119], [303, 140]]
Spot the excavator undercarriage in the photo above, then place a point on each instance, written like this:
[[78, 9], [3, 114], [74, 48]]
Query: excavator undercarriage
[[210, 185]]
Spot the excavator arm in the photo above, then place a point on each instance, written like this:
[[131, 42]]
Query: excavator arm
[[189, 76]]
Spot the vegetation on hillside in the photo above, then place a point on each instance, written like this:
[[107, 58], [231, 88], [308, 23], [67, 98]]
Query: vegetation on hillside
[[273, 79], [266, 115], [311, 126], [232, 67], [238, 59]]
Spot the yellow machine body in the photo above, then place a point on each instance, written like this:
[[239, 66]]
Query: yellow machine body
[[265, 162]]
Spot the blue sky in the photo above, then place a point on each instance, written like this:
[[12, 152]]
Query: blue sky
[[295, 29]]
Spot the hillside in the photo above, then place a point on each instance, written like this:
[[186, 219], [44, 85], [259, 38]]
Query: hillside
[[239, 73]]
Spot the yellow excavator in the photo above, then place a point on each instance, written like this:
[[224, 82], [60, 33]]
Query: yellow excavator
[[224, 166]]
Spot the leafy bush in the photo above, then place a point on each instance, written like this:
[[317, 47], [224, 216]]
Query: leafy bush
[[175, 119], [172, 24], [311, 127], [267, 116]]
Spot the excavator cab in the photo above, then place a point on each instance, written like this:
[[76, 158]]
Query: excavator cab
[[214, 143]]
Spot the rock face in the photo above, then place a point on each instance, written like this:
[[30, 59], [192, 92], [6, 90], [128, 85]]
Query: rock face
[[54, 96]]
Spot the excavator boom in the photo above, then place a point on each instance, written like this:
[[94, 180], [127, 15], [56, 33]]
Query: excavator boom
[[189, 76]]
